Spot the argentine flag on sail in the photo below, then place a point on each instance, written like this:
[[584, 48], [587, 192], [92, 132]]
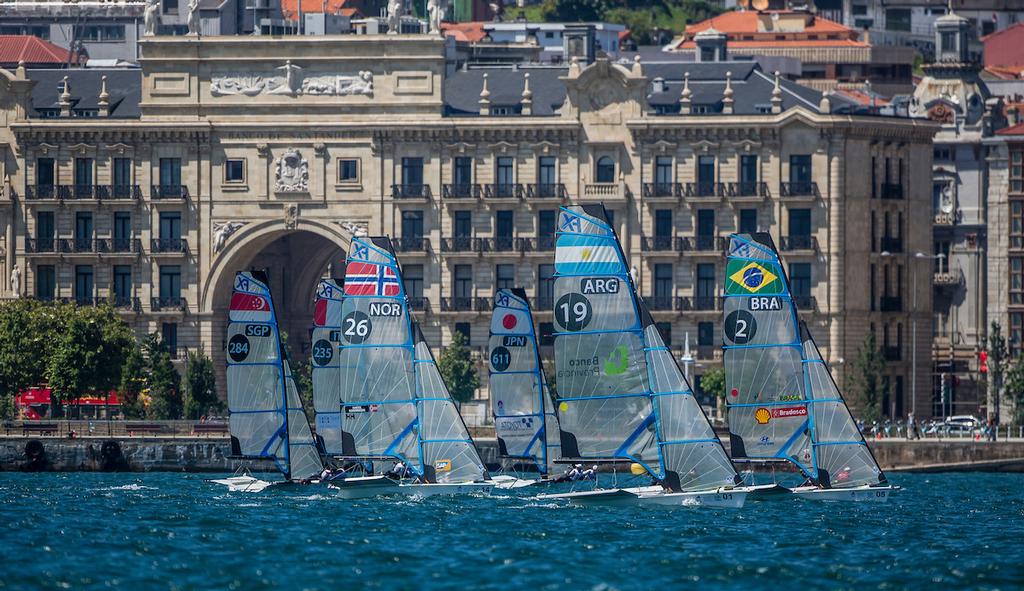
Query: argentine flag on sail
[[580, 254]]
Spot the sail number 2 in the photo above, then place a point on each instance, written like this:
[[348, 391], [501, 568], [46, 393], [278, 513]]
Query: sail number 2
[[573, 312]]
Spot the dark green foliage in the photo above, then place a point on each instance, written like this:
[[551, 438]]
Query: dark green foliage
[[200, 386], [867, 378], [165, 401], [998, 357], [712, 382], [133, 382], [458, 370], [649, 23]]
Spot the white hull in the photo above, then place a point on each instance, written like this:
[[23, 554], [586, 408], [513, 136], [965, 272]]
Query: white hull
[[364, 487], [608, 497], [732, 498], [440, 488], [243, 483], [860, 494], [504, 482]]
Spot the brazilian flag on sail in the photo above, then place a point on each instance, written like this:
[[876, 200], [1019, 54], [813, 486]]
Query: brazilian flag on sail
[[747, 277]]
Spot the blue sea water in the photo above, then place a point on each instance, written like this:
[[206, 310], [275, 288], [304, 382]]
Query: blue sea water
[[177, 531]]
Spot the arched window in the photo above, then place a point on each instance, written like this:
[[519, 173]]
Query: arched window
[[605, 170]]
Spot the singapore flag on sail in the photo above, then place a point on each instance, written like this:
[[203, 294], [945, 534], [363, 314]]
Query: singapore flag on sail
[[247, 307], [369, 279]]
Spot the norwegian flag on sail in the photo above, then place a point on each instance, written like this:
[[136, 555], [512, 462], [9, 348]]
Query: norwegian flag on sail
[[250, 308], [368, 279]]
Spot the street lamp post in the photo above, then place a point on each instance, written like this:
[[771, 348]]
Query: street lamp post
[[913, 330]]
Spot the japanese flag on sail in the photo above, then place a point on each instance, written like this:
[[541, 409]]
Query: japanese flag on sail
[[247, 307], [369, 279]]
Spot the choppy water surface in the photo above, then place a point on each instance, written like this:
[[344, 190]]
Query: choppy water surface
[[176, 531]]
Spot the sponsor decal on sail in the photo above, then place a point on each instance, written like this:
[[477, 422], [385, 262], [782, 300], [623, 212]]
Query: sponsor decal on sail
[[617, 362], [443, 465], [762, 416]]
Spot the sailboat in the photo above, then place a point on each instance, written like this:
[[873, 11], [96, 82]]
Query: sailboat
[[395, 408], [326, 368], [266, 416], [782, 401], [621, 395], [524, 417]]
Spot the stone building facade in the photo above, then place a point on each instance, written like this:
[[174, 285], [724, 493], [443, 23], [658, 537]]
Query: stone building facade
[[255, 154]]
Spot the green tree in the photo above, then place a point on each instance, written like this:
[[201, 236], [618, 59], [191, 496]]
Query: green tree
[[200, 386], [867, 379], [712, 382], [164, 381], [28, 330], [133, 382], [458, 370], [998, 354], [1014, 390]]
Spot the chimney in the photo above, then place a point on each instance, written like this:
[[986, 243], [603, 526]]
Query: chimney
[[777, 95], [684, 98], [1011, 115], [104, 99], [527, 100], [727, 95], [485, 98], [64, 98], [658, 85]]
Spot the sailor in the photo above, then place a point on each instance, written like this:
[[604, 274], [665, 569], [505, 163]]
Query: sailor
[[590, 473], [398, 471]]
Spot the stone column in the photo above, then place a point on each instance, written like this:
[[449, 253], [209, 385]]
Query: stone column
[[836, 208]]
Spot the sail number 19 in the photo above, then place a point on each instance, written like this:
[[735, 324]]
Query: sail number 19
[[573, 312]]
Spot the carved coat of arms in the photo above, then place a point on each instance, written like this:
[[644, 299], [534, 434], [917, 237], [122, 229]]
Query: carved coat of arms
[[291, 173]]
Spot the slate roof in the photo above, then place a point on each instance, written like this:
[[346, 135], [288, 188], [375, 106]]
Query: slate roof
[[124, 85], [462, 89]]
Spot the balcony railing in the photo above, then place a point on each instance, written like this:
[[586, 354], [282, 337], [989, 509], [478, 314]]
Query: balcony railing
[[168, 245], [169, 304], [546, 191], [504, 191], [892, 191], [698, 303], [133, 192], [747, 189], [465, 304], [37, 245], [890, 304], [118, 245], [891, 353], [497, 244], [791, 243], [416, 191], [659, 303], [76, 245], [126, 303], [702, 244], [419, 303], [892, 244], [461, 191], [460, 244], [538, 244], [805, 302], [662, 189], [33, 192], [659, 243], [411, 244], [168, 192], [799, 189], [602, 190], [704, 189]]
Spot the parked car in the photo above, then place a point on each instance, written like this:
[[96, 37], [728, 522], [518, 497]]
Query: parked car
[[962, 425]]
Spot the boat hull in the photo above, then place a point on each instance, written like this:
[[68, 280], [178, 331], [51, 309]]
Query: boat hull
[[608, 497], [732, 498], [243, 483], [860, 494], [441, 488], [768, 492], [511, 482], [364, 487]]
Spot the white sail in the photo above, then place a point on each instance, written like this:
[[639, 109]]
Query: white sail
[[326, 368], [266, 416]]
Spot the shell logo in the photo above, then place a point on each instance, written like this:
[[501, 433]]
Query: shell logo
[[762, 416]]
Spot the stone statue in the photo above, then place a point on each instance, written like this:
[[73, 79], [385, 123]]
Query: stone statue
[[152, 17], [396, 10], [436, 11], [193, 17], [221, 233], [292, 79], [16, 280], [355, 229], [497, 8]]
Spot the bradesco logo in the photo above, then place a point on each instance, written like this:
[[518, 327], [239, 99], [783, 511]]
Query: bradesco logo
[[763, 416]]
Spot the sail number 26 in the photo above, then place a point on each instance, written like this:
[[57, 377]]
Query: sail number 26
[[573, 312]]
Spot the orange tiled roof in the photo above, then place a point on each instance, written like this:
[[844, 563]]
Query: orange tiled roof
[[1005, 72], [862, 98], [290, 8], [470, 32], [779, 28], [32, 50], [1015, 130]]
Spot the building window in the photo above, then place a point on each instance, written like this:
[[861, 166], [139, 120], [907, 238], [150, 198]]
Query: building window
[[170, 282], [169, 337], [1016, 224], [748, 169], [234, 171], [122, 228], [463, 171], [546, 224], [122, 177], [170, 225], [504, 225], [800, 224], [706, 281], [462, 281], [546, 174], [504, 276], [665, 331], [463, 223], [800, 282], [605, 172], [412, 279], [412, 224], [1017, 171], [99, 33], [897, 19], [705, 175], [663, 173], [83, 231], [947, 40], [705, 223], [412, 172], [662, 223], [800, 168], [705, 334], [46, 173], [545, 286], [748, 221], [170, 174], [45, 228], [41, 31], [83, 175], [1016, 333], [122, 284], [46, 282], [170, 6], [547, 334], [348, 170], [504, 173], [662, 281], [83, 283], [463, 328], [1017, 280]]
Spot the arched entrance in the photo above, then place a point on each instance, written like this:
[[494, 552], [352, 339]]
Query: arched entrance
[[294, 258]]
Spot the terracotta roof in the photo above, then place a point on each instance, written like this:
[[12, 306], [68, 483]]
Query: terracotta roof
[[869, 99], [32, 50], [779, 28], [1005, 72], [470, 32], [290, 8], [1015, 130]]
